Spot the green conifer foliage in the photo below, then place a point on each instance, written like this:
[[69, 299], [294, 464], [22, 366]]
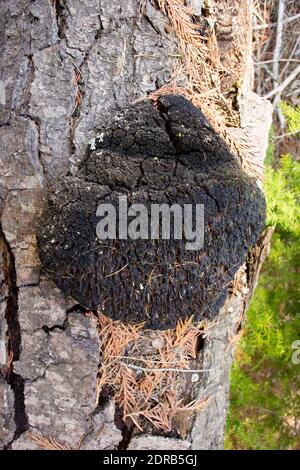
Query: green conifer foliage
[[265, 382]]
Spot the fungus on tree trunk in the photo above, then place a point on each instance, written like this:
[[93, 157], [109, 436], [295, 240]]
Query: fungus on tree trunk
[[167, 154]]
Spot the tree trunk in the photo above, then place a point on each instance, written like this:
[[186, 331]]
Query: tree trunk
[[67, 66]]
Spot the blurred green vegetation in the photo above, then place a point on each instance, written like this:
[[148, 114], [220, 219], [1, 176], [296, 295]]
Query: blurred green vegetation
[[265, 385]]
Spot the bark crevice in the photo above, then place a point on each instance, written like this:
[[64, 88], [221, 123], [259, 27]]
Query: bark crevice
[[14, 342]]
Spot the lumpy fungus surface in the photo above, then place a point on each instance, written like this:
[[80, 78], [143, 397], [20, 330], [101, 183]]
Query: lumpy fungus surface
[[152, 155]]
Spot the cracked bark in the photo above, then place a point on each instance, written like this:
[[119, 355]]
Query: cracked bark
[[67, 66]]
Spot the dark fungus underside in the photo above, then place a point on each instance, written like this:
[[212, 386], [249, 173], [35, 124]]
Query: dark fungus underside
[[152, 155]]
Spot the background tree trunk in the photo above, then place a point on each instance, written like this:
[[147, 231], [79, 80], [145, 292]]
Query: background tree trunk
[[66, 67]]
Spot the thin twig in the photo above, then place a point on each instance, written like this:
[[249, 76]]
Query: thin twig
[[287, 134], [136, 358], [284, 84], [121, 61], [271, 25], [290, 57], [117, 272], [148, 369], [280, 60], [276, 57], [146, 56]]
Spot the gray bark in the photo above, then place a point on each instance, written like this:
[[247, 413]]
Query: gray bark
[[66, 67]]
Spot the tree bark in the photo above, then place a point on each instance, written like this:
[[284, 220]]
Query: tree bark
[[67, 66]]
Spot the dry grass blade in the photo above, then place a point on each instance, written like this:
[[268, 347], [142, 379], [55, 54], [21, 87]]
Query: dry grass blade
[[194, 406], [126, 395], [48, 443]]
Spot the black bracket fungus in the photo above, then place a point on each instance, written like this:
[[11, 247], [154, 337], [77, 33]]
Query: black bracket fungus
[[152, 155]]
